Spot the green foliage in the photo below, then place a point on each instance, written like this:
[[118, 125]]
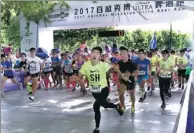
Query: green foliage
[[31, 10], [10, 34], [71, 39]]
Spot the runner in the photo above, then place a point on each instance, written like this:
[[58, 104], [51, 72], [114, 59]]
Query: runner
[[165, 73], [6, 68], [22, 65], [47, 72], [154, 59], [173, 58], [129, 69], [144, 67], [34, 64], [181, 63], [68, 71], [95, 71], [56, 65]]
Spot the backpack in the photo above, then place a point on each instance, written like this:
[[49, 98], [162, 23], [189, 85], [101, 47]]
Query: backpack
[[41, 53]]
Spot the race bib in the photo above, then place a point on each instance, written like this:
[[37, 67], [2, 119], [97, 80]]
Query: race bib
[[95, 89], [141, 72], [165, 75]]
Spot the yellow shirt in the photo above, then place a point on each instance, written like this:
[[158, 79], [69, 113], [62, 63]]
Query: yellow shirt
[[165, 65], [96, 75], [182, 60], [173, 58], [154, 60]]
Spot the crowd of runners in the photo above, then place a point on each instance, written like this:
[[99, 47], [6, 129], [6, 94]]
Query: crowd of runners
[[97, 69]]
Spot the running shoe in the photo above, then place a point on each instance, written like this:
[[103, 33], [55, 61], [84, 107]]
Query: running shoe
[[119, 109], [183, 87], [141, 99], [96, 131], [169, 94], [31, 98], [73, 89], [163, 105], [132, 110]]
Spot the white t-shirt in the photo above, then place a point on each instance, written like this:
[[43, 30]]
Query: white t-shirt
[[47, 63], [34, 64]]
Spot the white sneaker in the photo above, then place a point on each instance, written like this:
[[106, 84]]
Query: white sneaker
[[31, 98], [21, 86]]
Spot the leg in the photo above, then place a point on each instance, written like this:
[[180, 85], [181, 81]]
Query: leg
[[161, 85], [58, 74], [54, 77], [141, 82], [96, 107], [34, 85], [16, 82], [132, 96], [167, 87], [27, 79], [121, 94], [179, 78], [4, 78]]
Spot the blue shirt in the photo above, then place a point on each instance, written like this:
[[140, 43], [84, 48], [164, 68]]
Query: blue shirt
[[133, 57], [114, 60], [55, 59], [7, 65], [143, 66]]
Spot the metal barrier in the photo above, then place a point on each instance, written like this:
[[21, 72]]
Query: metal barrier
[[185, 119]]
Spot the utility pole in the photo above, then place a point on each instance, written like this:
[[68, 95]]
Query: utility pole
[[170, 38]]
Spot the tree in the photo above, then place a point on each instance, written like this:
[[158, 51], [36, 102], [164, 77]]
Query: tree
[[11, 33], [33, 11], [71, 39]]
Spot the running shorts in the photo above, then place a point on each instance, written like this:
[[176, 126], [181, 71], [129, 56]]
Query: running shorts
[[141, 78], [181, 73]]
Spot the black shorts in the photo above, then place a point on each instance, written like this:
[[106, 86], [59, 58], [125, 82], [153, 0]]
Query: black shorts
[[68, 74], [57, 70], [103, 95], [45, 73], [130, 86], [9, 77], [76, 72], [32, 75], [181, 73]]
